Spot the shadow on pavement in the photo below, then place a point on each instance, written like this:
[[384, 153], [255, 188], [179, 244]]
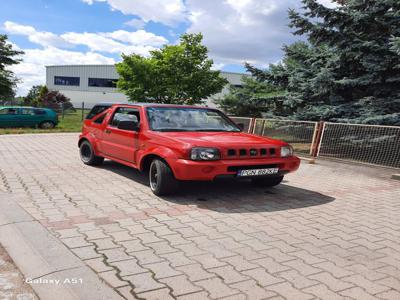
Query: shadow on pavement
[[232, 196]]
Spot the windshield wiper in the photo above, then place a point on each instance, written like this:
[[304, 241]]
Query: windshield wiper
[[216, 130], [170, 129]]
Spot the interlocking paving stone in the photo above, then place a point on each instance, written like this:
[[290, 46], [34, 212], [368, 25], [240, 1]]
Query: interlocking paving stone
[[331, 230], [180, 285]]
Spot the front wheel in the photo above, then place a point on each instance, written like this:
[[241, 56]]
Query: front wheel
[[87, 155], [162, 180], [267, 181], [47, 125]]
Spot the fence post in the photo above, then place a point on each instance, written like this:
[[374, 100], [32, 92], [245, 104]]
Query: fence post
[[315, 145], [252, 126], [83, 110]]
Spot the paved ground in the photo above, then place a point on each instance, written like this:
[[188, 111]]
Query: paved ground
[[331, 231], [12, 284]]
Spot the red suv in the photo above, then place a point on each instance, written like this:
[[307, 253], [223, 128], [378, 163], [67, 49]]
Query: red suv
[[175, 143]]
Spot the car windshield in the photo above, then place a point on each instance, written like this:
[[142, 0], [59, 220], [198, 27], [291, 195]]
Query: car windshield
[[189, 119]]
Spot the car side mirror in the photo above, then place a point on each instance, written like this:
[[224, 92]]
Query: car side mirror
[[241, 126], [128, 125]]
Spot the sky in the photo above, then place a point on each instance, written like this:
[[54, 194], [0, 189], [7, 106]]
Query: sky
[[57, 32]]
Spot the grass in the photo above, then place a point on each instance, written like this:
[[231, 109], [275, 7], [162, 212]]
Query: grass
[[72, 122]]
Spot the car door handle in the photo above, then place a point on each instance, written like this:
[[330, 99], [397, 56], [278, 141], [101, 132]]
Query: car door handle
[[108, 131]]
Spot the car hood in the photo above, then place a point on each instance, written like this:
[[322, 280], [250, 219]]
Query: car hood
[[220, 139]]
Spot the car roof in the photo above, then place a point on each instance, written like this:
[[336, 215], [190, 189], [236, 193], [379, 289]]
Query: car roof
[[22, 107], [144, 104]]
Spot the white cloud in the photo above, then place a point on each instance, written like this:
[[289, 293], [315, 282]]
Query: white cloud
[[168, 12], [236, 31], [140, 37], [120, 41], [42, 38], [32, 70], [136, 23]]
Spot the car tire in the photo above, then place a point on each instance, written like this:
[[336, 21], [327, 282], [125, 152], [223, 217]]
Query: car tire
[[47, 125], [267, 181], [87, 155], [161, 178]]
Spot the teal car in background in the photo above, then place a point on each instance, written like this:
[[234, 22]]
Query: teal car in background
[[16, 116]]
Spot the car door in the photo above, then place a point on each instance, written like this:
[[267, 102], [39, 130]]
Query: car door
[[27, 117], [118, 143], [9, 117]]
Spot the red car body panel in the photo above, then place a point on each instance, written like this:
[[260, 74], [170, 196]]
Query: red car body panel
[[131, 148]]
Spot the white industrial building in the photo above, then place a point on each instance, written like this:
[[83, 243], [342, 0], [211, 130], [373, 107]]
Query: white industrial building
[[96, 83]]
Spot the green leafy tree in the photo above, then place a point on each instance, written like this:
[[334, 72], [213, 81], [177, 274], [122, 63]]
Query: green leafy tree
[[8, 81], [41, 96], [349, 68], [251, 99], [32, 98], [179, 74]]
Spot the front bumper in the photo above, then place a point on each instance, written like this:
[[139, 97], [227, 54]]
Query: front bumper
[[209, 170]]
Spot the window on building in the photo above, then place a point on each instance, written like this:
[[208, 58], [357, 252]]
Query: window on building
[[64, 80], [103, 82]]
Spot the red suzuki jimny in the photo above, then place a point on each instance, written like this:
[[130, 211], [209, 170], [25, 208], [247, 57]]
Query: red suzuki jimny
[[174, 143]]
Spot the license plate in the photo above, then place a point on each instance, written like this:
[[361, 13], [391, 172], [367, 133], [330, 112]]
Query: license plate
[[258, 172]]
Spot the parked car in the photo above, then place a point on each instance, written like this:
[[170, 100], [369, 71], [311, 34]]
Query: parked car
[[16, 116], [177, 143]]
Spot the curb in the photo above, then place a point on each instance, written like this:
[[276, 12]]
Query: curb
[[308, 160], [43, 258]]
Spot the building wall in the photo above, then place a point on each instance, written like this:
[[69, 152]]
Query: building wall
[[92, 95]]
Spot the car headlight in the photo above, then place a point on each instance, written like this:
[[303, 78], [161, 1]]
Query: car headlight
[[286, 151], [200, 153]]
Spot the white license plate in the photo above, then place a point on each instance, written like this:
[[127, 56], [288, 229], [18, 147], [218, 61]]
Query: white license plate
[[258, 172]]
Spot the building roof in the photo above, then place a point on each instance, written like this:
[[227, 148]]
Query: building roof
[[102, 65]]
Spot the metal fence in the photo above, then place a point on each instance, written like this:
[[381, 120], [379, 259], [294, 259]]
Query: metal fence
[[371, 144], [300, 134]]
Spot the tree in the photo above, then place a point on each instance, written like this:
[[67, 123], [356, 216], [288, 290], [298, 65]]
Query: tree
[[41, 96], [53, 99], [32, 98], [179, 74], [8, 80], [251, 99], [349, 68]]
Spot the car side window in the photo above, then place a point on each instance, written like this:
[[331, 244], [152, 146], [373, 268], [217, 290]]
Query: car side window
[[8, 111], [100, 119], [27, 111], [39, 112], [96, 110], [124, 114]]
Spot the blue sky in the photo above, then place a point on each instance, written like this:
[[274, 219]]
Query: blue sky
[[97, 31]]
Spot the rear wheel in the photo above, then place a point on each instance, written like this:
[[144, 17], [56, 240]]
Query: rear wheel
[[162, 180], [267, 181], [87, 155], [47, 125]]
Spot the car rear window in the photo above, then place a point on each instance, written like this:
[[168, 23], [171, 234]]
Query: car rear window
[[97, 110]]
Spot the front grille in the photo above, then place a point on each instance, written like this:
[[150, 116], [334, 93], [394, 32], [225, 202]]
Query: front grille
[[252, 152], [242, 152], [231, 152], [237, 168]]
